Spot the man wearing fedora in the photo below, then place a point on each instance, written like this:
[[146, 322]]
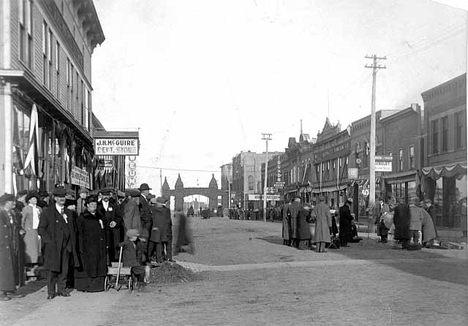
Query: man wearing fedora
[[131, 211], [145, 213], [57, 231]]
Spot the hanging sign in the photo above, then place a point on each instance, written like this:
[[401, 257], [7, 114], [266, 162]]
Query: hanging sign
[[383, 163], [116, 146], [79, 177], [353, 173]]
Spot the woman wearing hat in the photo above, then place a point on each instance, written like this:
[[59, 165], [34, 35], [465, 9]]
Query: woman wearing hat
[[92, 249], [30, 221]]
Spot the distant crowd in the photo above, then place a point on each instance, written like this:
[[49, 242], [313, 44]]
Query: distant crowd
[[75, 240], [319, 227]]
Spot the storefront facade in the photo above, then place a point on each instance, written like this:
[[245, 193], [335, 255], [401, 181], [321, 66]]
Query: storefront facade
[[401, 141], [45, 93], [444, 168], [329, 176]]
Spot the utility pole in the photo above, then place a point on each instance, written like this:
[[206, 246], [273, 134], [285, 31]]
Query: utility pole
[[375, 66], [266, 138]]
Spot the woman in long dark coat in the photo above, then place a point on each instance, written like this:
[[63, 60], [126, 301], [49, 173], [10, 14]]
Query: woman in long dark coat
[[401, 220], [92, 249], [303, 224]]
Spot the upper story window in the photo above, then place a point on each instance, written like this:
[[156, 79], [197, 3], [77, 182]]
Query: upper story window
[[366, 155], [444, 122], [26, 32], [251, 182], [459, 129], [400, 160], [57, 67], [435, 136], [411, 157]]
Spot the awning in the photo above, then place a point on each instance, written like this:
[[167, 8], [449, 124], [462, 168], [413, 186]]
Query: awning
[[457, 170], [329, 189]]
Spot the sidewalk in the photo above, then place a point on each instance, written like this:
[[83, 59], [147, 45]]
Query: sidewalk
[[444, 233]]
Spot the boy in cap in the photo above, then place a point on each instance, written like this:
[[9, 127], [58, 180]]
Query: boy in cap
[[80, 203], [131, 257]]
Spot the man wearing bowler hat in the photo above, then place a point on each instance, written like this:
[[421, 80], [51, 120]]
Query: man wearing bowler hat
[[56, 228]]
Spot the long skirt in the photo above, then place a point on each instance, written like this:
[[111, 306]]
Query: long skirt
[[32, 246], [89, 284]]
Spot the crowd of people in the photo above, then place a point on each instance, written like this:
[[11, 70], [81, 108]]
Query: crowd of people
[[316, 225], [412, 225], [75, 240]]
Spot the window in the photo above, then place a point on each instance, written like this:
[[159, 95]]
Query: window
[[57, 68], [251, 182], [77, 93], [366, 155], [444, 122], [69, 82], [88, 108], [435, 136], [82, 104], [45, 50], [26, 23], [411, 157], [459, 133], [400, 160], [50, 52]]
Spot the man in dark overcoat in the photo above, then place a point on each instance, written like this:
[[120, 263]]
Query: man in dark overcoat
[[402, 220], [56, 228], [113, 223], [346, 231], [7, 269], [286, 230], [161, 233], [294, 210], [145, 213]]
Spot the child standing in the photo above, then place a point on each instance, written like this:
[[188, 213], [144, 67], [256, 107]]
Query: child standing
[[130, 258]]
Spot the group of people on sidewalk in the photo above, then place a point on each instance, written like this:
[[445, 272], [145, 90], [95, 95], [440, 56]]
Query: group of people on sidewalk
[[76, 240], [316, 225], [412, 225]]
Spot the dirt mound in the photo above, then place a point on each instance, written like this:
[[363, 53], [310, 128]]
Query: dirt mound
[[171, 273]]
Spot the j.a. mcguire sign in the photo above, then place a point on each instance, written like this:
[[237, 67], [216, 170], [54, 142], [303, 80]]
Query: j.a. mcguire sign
[[120, 146]]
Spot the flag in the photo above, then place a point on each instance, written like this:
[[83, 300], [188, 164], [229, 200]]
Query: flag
[[32, 158]]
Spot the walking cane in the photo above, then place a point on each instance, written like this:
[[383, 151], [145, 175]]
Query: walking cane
[[117, 284]]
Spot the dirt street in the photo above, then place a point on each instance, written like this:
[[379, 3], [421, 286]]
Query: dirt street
[[243, 275]]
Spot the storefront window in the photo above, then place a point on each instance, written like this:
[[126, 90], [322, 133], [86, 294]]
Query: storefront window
[[20, 146]]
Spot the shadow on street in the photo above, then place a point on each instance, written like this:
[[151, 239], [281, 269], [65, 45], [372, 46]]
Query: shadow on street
[[450, 269]]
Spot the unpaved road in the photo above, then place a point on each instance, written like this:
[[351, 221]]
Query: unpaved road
[[246, 277]]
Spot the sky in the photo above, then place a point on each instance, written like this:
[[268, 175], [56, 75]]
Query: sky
[[202, 80]]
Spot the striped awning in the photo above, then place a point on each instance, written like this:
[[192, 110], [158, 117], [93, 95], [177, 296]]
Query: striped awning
[[457, 170]]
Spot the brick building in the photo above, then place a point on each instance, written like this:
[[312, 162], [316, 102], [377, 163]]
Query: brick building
[[45, 92], [329, 177], [401, 140], [444, 166], [359, 159], [247, 178]]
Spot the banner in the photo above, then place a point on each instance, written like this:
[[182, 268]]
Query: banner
[[260, 197]]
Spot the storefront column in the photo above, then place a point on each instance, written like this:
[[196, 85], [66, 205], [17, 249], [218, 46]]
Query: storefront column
[[7, 168]]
